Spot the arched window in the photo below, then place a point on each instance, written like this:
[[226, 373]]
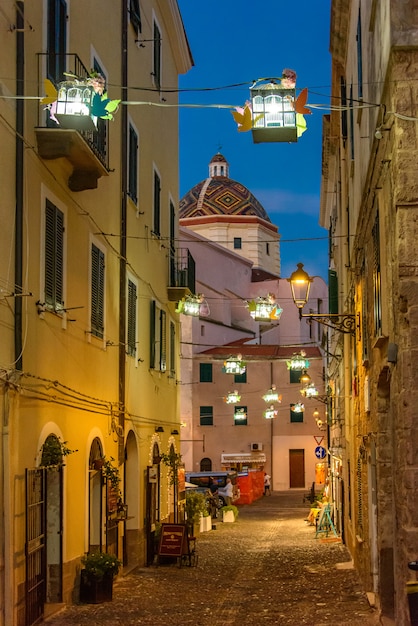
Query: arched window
[[206, 465]]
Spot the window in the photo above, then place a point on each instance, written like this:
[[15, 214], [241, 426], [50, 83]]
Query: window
[[351, 124], [206, 415], [267, 248], [295, 376], [97, 291], [295, 416], [240, 378], [205, 372], [135, 15], [54, 257], [377, 278], [240, 416], [172, 348], [157, 57], [158, 338], [131, 322], [133, 164], [237, 243], [157, 204], [56, 39]]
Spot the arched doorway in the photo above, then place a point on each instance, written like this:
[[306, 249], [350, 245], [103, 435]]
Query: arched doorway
[[96, 497], [132, 550], [52, 459], [206, 465]]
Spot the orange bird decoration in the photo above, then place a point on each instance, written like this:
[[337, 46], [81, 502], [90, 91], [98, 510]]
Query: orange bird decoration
[[299, 103]]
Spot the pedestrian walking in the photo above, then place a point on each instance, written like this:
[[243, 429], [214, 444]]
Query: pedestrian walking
[[267, 484]]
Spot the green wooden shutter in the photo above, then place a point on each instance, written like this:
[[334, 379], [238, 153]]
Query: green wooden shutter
[[163, 341], [132, 297], [97, 291], [332, 291], [152, 334], [54, 256]]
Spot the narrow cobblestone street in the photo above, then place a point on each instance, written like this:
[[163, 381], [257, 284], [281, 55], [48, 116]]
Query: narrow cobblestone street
[[266, 568]]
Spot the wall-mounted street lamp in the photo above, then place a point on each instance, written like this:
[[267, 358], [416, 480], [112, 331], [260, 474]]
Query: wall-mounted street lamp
[[300, 284]]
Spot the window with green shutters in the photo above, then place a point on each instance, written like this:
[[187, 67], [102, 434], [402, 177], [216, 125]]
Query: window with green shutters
[[157, 205], [158, 338], [133, 164], [295, 376], [97, 291], [172, 349], [240, 378], [157, 57], [205, 372], [132, 308], [54, 257]]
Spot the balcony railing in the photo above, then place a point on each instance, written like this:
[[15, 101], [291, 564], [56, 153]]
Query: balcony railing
[[182, 274], [53, 66]]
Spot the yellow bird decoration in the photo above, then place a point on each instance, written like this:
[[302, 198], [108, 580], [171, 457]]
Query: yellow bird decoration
[[51, 92], [244, 117]]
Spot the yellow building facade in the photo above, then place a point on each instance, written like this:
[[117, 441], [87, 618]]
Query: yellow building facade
[[89, 350]]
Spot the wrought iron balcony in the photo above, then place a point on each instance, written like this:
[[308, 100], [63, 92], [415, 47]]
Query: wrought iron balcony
[[87, 151], [182, 275]]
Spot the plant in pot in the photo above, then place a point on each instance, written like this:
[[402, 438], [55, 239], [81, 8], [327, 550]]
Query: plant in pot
[[228, 511], [195, 508], [96, 583], [53, 452], [111, 473]]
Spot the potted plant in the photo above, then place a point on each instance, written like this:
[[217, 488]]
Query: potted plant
[[205, 522], [195, 508], [53, 452], [96, 582], [229, 513]]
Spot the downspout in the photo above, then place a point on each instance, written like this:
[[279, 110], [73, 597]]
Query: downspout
[[122, 266], [20, 106]]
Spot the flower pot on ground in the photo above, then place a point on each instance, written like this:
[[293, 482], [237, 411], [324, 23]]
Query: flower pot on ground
[[205, 523], [229, 513], [96, 581]]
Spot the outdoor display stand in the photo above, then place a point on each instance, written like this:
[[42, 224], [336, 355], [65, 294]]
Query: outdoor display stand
[[176, 543], [325, 523]]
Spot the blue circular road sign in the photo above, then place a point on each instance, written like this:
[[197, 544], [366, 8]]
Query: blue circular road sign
[[320, 452]]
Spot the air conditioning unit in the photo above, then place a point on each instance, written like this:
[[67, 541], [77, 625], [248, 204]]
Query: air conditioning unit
[[256, 446]]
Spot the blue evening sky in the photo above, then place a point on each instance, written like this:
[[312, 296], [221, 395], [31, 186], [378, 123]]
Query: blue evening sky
[[238, 42]]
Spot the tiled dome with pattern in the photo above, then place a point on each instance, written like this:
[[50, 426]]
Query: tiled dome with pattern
[[220, 195]]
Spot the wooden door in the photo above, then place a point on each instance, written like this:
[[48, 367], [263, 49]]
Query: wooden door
[[297, 469]]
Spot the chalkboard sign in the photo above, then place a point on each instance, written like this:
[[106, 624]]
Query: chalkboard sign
[[173, 540]]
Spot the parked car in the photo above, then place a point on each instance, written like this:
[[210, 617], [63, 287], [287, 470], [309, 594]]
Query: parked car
[[202, 480]]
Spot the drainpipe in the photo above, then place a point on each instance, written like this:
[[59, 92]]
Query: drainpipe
[[122, 267], [20, 77]]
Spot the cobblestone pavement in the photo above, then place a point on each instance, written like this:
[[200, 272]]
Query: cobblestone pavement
[[266, 568]]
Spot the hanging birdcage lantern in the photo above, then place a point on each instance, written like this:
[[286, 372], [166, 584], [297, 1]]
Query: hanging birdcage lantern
[[265, 309], [298, 362], [310, 391], [270, 413], [234, 365], [194, 305], [298, 407], [272, 395], [273, 114], [74, 105], [240, 414], [232, 397]]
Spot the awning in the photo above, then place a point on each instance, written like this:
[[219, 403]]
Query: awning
[[243, 457]]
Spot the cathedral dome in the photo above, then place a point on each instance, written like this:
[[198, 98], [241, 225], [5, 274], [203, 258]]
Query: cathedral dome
[[220, 195]]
